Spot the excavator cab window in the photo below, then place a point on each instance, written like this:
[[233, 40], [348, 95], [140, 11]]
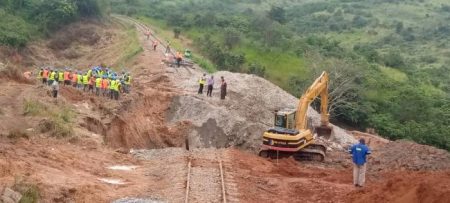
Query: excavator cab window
[[280, 120]]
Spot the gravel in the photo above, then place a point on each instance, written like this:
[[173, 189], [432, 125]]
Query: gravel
[[137, 200], [163, 153], [403, 154]]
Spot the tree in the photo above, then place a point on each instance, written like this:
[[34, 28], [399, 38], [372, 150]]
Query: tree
[[277, 14], [393, 59], [231, 37], [343, 88], [257, 69], [176, 32]]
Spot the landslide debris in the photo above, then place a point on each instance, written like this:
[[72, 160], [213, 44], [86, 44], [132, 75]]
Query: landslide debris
[[403, 154], [241, 119]]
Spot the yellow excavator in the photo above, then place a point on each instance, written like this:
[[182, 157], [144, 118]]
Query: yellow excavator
[[291, 136]]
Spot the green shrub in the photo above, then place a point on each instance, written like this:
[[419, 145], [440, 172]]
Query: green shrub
[[33, 108]]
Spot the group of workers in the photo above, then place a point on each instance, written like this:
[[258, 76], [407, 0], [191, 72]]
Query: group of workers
[[97, 80], [210, 85]]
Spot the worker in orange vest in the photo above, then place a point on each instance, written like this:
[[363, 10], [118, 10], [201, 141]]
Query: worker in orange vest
[[91, 83], [179, 58], [66, 77], [105, 86], [45, 76], [74, 79]]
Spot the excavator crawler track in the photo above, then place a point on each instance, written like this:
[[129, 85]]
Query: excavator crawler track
[[313, 152]]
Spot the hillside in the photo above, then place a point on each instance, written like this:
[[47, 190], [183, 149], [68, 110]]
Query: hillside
[[387, 59], [83, 147]]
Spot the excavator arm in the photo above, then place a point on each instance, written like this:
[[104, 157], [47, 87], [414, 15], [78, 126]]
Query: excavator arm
[[318, 88]]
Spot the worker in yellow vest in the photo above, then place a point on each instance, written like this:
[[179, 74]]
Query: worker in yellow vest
[[40, 74], [112, 86], [89, 73], [98, 85], [117, 85], [51, 78], [201, 83], [127, 83], [60, 77], [85, 82], [80, 80]]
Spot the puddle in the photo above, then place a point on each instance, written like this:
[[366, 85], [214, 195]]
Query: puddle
[[112, 181], [122, 168]]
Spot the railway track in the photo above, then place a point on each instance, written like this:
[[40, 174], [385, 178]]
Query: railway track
[[207, 179]]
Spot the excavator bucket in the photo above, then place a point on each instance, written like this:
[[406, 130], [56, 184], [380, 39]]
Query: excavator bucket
[[324, 131]]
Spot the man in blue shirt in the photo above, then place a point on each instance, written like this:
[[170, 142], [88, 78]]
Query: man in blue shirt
[[359, 152]]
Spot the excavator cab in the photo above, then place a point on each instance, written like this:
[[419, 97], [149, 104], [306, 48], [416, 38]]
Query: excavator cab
[[285, 118]]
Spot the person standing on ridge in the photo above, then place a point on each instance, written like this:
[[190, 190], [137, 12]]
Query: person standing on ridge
[[223, 88], [359, 152], [148, 33], [210, 86], [179, 58], [168, 48], [155, 44], [45, 74], [55, 89], [201, 83]]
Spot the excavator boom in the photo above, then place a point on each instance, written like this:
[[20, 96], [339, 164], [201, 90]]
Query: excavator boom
[[318, 88]]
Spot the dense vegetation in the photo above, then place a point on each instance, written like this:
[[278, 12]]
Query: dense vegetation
[[388, 59], [23, 20]]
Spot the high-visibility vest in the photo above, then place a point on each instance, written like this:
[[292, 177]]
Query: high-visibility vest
[[40, 74], [80, 79], [202, 81], [128, 80], [117, 85], [112, 85], [74, 78], [45, 74], [89, 73], [66, 75], [60, 76], [85, 79], [105, 83], [98, 82], [52, 75]]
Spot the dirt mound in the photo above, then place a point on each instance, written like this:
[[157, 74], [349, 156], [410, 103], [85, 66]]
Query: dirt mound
[[406, 187], [408, 155], [241, 119]]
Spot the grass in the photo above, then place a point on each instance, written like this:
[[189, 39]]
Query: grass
[[57, 124], [130, 47], [279, 66], [30, 192]]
